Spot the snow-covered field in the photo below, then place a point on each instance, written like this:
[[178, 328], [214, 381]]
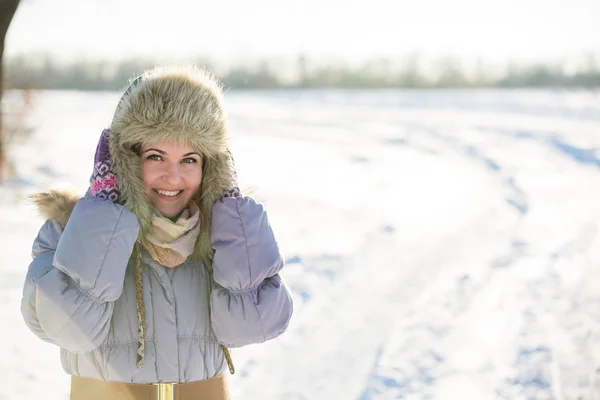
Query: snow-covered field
[[439, 244]]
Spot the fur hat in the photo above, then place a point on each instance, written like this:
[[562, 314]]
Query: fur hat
[[182, 104]]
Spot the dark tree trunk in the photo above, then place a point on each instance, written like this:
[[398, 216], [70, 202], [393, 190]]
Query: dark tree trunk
[[7, 11]]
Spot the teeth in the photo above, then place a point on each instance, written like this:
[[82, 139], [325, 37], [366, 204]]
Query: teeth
[[167, 193]]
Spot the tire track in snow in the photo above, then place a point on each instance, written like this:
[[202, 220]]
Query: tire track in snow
[[421, 357]]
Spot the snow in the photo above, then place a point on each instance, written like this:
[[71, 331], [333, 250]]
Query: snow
[[439, 244]]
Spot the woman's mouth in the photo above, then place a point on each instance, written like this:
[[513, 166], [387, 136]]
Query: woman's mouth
[[168, 193]]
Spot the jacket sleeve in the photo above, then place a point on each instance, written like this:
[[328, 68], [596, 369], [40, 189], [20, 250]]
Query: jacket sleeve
[[250, 302], [77, 274]]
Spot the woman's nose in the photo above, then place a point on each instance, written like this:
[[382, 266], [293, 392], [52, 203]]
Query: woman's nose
[[172, 174]]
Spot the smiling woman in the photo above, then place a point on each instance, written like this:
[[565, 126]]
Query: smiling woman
[[163, 264]]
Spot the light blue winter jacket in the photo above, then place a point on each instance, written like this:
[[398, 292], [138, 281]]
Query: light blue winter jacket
[[80, 294]]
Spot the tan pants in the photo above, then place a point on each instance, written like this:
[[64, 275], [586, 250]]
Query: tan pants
[[94, 389]]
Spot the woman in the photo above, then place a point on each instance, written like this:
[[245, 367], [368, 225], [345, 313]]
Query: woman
[[146, 280]]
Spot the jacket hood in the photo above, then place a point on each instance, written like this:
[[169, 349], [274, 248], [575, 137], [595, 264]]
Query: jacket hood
[[164, 104]]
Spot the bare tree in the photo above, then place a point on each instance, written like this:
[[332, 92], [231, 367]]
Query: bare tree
[[7, 11]]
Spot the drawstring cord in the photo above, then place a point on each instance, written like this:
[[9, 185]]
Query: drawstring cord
[[139, 301]]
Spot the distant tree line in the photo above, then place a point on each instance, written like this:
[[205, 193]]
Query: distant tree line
[[42, 72]]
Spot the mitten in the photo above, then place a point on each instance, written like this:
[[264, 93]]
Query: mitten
[[103, 182]]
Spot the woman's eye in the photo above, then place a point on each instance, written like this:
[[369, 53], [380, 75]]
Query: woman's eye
[[154, 157], [189, 160]]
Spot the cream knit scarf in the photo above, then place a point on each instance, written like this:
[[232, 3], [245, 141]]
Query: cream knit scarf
[[171, 243]]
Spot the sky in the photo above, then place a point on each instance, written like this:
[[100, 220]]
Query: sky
[[494, 30]]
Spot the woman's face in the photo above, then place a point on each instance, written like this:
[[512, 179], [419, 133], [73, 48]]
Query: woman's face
[[172, 174]]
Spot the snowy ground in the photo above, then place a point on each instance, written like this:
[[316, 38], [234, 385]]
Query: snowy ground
[[439, 244]]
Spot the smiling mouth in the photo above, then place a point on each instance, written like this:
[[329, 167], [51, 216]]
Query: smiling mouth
[[168, 193]]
